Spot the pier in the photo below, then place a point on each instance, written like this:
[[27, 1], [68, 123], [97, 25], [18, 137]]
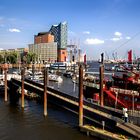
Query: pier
[[93, 112], [106, 117]]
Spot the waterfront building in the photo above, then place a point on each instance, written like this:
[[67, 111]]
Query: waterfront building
[[60, 36], [43, 37], [46, 52], [45, 47]]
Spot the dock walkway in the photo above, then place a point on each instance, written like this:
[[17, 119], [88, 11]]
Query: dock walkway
[[73, 101]]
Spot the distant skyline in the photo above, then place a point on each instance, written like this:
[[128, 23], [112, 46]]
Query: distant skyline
[[109, 26]]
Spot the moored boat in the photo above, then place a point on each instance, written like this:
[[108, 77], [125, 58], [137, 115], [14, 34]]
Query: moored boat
[[121, 91]]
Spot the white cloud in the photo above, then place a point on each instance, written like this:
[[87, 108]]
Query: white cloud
[[1, 49], [93, 41], [128, 37], [86, 32], [14, 30], [118, 34], [115, 39]]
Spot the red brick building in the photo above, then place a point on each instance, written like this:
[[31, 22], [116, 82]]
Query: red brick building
[[62, 55], [43, 37]]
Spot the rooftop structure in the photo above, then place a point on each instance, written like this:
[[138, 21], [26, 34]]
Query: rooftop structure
[[43, 37]]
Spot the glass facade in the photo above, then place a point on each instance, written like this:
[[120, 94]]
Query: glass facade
[[60, 34]]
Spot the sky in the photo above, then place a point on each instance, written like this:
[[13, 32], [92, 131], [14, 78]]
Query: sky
[[96, 26]]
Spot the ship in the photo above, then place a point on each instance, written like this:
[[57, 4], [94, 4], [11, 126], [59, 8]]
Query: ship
[[119, 91]]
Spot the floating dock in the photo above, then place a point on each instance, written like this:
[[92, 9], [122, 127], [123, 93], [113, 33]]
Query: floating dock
[[100, 133], [92, 112]]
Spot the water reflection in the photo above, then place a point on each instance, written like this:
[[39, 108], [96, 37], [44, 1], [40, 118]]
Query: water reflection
[[30, 124]]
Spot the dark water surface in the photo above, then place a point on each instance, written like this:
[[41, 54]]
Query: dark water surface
[[30, 124]]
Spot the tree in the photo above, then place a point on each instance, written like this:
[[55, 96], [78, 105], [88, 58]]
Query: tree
[[1, 58], [31, 57], [11, 57]]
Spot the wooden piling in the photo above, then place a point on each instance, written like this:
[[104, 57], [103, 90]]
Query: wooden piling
[[81, 96], [5, 82], [45, 91], [22, 86], [102, 58], [101, 85], [33, 70], [39, 66]]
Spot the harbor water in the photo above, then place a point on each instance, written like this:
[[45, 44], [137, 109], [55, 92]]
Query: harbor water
[[30, 124]]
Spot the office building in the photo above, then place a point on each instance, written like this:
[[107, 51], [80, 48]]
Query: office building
[[46, 52], [45, 47], [43, 37], [60, 36]]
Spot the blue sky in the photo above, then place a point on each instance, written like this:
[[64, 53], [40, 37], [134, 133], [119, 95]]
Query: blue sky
[[96, 25]]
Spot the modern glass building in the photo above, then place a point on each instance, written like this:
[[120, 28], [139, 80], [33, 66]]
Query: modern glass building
[[60, 34]]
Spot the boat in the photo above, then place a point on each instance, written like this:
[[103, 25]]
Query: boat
[[124, 91], [68, 74], [116, 68], [120, 91], [63, 66], [59, 65], [55, 78], [36, 76], [91, 85]]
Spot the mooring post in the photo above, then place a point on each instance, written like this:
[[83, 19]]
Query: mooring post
[[101, 85], [33, 70], [22, 86], [102, 58], [5, 81], [45, 90], [81, 95]]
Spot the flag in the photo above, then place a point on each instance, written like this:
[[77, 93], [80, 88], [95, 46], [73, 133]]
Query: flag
[[130, 56]]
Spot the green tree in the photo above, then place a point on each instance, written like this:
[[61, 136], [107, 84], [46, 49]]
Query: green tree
[[31, 57], [12, 57], [1, 58]]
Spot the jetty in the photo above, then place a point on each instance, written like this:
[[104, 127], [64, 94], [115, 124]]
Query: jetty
[[93, 112]]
